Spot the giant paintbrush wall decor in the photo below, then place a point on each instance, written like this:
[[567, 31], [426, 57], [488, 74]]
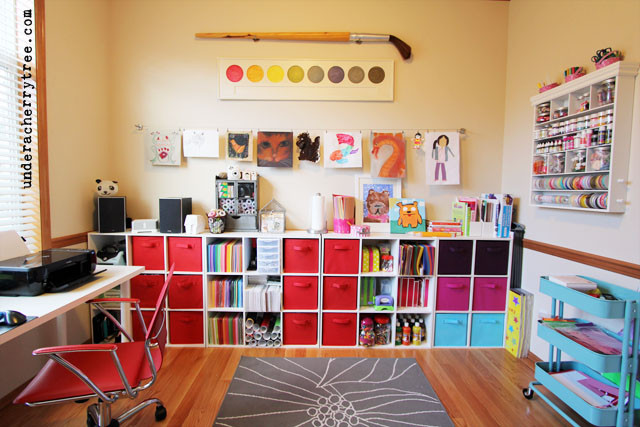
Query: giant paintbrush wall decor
[[403, 48], [266, 79]]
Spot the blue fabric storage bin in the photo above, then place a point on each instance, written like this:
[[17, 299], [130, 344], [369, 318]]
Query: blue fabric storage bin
[[451, 330], [487, 329]]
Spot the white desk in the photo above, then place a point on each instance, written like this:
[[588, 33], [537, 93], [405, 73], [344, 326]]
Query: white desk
[[51, 305]]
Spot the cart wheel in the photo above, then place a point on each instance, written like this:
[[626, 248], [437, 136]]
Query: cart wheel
[[527, 393], [161, 413]]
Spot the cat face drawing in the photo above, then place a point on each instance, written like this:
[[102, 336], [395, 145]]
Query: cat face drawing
[[275, 149]]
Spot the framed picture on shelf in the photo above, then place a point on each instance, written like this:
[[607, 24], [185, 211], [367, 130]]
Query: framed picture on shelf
[[372, 201]]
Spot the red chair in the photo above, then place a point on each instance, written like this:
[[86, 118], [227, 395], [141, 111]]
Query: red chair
[[105, 371]]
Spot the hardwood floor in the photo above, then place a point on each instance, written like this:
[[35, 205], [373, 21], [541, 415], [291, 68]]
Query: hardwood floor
[[479, 387]]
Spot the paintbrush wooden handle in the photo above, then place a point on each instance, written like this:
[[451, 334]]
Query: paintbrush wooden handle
[[308, 36]]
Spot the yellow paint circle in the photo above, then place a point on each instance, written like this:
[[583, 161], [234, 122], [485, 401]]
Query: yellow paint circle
[[275, 73], [255, 73], [295, 74]]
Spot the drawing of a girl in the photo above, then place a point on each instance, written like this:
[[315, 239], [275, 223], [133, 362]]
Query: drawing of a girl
[[440, 154]]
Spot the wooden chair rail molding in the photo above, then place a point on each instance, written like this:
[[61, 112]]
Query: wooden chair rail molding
[[609, 264], [71, 239]]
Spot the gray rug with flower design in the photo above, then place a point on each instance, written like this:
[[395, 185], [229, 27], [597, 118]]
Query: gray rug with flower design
[[333, 392]]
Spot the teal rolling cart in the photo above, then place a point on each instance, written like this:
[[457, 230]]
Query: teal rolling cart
[[592, 363]]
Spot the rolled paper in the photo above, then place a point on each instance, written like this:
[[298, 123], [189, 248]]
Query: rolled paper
[[318, 221], [276, 326], [264, 326]]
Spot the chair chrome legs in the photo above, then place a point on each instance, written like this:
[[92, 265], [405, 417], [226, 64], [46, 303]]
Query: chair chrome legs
[[141, 406], [99, 414]]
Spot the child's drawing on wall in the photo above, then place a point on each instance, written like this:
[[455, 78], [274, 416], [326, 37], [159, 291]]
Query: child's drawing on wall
[[443, 165]]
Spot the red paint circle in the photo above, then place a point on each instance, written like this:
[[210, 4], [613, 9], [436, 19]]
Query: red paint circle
[[234, 73]]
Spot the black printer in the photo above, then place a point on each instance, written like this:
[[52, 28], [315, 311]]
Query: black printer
[[51, 270]]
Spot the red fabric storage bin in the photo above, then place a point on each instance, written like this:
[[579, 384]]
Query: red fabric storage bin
[[146, 288], [339, 329], [453, 293], [341, 256], [301, 255], [489, 293], [136, 330], [300, 328], [340, 293], [148, 252], [300, 293], [185, 291], [186, 253], [185, 327]]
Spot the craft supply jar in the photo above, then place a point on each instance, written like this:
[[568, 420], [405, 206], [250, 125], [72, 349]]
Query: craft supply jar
[[543, 111], [382, 330], [571, 127], [609, 117], [606, 93]]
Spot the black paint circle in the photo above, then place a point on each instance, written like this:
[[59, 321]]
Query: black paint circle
[[376, 75]]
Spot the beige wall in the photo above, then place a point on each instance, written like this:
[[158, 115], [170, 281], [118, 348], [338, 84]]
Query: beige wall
[[161, 76], [80, 149], [544, 38]]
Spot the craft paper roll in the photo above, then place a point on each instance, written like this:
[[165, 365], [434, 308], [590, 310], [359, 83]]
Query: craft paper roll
[[318, 222]]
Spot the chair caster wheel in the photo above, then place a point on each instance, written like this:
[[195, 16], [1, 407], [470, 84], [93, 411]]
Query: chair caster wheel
[[114, 423], [90, 422], [527, 393], [161, 413]]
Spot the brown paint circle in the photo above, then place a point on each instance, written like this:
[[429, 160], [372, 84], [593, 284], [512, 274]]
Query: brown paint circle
[[356, 74], [335, 74], [376, 75], [315, 74]]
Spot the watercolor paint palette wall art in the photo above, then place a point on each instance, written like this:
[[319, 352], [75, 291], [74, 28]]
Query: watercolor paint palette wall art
[[281, 79]]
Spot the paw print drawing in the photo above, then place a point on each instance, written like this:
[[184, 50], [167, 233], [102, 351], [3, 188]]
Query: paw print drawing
[[163, 153], [162, 149]]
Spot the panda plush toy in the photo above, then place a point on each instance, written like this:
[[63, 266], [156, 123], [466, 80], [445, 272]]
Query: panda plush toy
[[106, 188]]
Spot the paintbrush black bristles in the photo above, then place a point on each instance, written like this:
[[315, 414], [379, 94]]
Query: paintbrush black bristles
[[403, 48]]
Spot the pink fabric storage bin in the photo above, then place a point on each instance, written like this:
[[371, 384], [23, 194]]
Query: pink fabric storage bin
[[489, 293], [453, 293]]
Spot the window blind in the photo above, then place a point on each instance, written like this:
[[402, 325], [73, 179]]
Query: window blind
[[19, 177]]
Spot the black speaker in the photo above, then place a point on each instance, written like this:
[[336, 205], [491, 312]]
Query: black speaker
[[112, 214], [173, 211]]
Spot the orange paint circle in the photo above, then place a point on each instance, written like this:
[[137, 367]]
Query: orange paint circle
[[255, 73]]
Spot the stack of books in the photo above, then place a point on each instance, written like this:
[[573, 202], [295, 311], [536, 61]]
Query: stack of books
[[453, 227], [518, 333]]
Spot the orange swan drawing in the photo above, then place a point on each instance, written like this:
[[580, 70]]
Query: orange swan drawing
[[395, 165]]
